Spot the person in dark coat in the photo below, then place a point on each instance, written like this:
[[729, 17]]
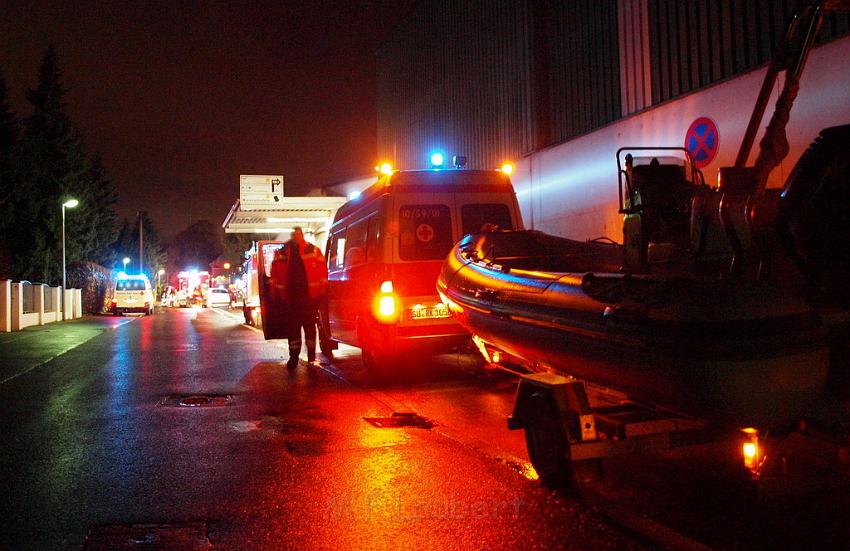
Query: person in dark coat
[[300, 276]]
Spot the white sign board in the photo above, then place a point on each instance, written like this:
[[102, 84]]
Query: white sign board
[[260, 191]]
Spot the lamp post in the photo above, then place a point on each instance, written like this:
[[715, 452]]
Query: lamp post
[[126, 261], [69, 204]]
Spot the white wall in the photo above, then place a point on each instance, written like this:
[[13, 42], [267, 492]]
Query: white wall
[[12, 317], [5, 305], [571, 189]]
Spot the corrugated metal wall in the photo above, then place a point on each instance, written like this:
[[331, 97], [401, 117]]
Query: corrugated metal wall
[[401, 91], [697, 42], [456, 78], [498, 79], [635, 72], [585, 81]]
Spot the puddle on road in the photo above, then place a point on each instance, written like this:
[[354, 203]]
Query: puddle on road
[[400, 420], [181, 535], [522, 467], [272, 425], [187, 348], [196, 401], [296, 439]]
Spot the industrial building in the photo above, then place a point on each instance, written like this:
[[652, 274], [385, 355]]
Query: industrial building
[[558, 87]]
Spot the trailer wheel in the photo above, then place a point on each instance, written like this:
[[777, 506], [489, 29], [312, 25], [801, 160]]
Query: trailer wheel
[[546, 440]]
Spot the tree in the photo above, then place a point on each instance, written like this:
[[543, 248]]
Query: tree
[[235, 245], [197, 246], [127, 244], [50, 167], [8, 136], [94, 219], [155, 254], [8, 146]]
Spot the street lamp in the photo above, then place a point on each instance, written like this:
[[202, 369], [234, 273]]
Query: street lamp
[[126, 261], [69, 204]]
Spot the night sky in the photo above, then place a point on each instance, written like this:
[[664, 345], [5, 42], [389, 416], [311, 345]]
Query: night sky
[[180, 98]]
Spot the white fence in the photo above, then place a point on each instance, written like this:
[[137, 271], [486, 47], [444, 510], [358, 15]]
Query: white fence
[[23, 304]]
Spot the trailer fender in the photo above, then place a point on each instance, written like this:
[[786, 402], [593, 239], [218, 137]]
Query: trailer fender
[[565, 395]]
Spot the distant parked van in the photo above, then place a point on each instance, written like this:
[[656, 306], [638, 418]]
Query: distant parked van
[[132, 294], [385, 251]]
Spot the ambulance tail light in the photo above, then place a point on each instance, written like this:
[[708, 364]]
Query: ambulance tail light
[[753, 454], [386, 304]]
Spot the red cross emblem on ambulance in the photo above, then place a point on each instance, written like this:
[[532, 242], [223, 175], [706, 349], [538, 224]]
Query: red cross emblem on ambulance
[[424, 233]]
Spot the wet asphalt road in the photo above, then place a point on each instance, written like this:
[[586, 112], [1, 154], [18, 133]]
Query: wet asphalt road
[[290, 464], [94, 453]]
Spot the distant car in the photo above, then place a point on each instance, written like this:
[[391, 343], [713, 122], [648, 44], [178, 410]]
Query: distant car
[[132, 294], [181, 299], [218, 296]]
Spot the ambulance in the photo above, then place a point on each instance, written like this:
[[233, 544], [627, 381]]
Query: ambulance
[[385, 250], [132, 294]]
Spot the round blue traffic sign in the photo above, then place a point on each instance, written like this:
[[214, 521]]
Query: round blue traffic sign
[[703, 140]]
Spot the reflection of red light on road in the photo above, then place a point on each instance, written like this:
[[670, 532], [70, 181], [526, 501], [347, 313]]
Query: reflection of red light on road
[[145, 337]]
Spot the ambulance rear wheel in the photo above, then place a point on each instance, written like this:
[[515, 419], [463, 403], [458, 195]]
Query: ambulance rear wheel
[[546, 440]]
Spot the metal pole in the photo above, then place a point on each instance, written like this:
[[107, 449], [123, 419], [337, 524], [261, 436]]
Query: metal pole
[[63, 251], [141, 244]]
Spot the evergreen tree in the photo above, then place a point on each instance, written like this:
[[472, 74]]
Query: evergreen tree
[[52, 163], [94, 219], [123, 245], [51, 167], [8, 134], [155, 253], [8, 146]]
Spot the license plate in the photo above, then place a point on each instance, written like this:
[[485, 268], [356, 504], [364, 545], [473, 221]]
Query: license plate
[[441, 311]]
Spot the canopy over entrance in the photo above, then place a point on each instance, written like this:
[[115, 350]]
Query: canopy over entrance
[[313, 214]]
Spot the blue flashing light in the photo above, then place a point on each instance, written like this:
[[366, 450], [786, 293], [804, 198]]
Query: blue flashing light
[[353, 195], [122, 275], [437, 159]]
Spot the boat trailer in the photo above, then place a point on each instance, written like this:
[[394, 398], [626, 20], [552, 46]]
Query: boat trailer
[[562, 427], [569, 421]]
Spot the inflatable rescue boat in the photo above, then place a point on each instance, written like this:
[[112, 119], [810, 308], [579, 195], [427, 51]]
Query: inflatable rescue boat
[[700, 311], [735, 352]]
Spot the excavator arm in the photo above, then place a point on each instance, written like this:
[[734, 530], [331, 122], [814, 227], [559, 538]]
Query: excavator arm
[[792, 54], [742, 185]]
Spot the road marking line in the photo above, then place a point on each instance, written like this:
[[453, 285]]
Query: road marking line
[[237, 318]]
